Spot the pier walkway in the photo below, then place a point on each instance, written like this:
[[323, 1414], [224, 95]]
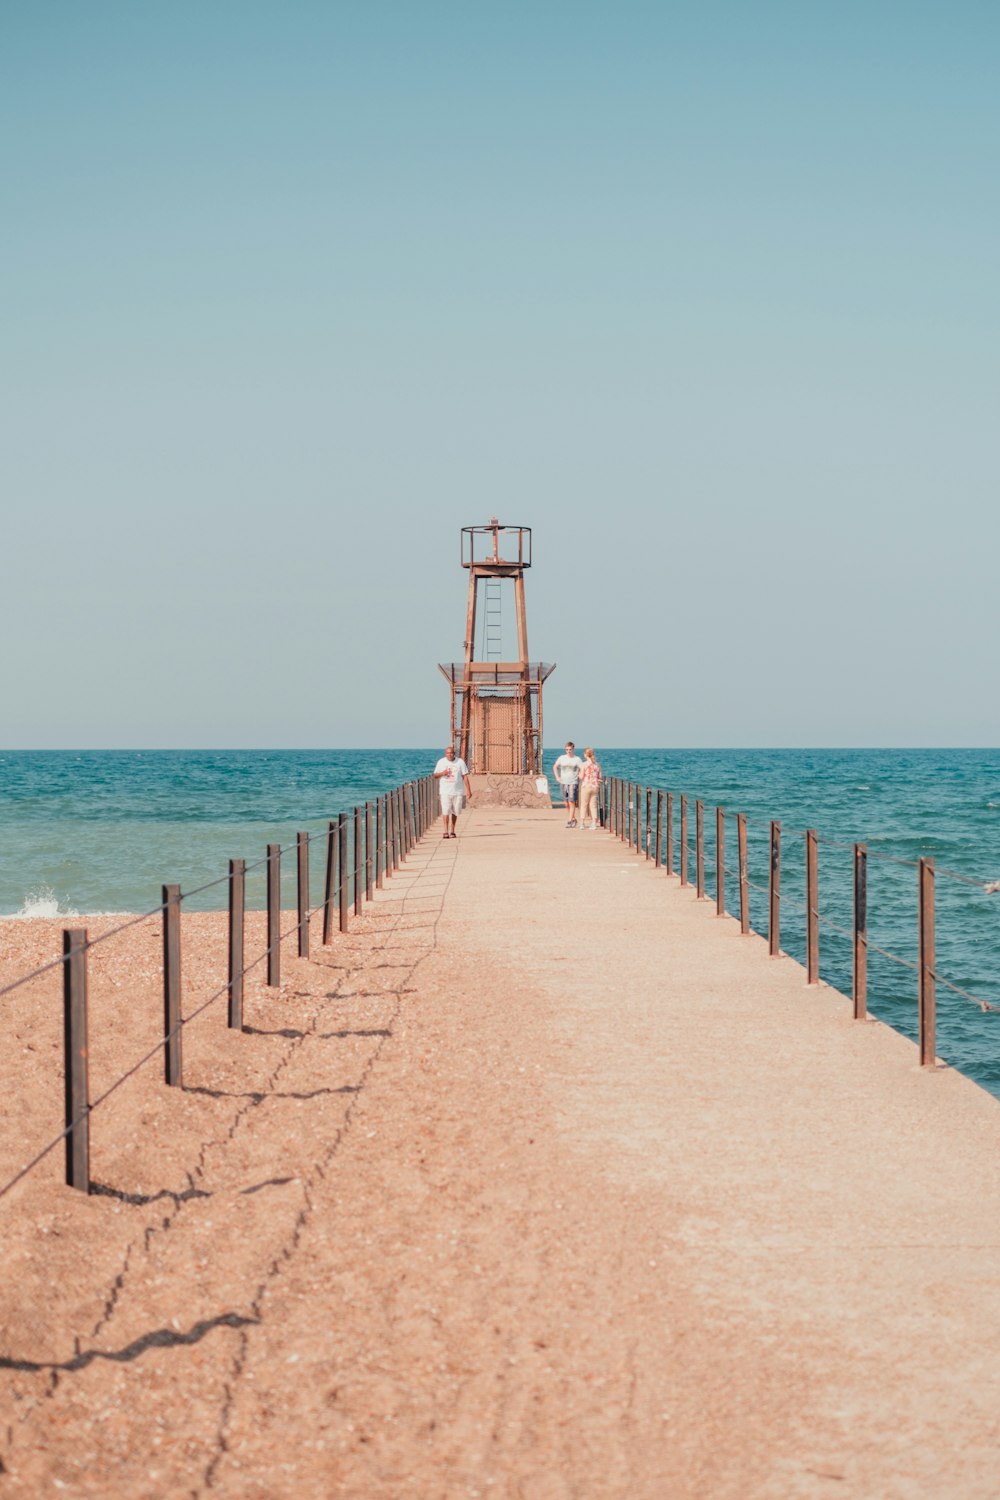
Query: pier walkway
[[612, 1205], [761, 1255]]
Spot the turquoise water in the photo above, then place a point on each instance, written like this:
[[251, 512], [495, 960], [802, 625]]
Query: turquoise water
[[93, 831]]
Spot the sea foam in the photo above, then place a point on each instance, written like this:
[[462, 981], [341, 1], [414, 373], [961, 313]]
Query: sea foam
[[43, 902]]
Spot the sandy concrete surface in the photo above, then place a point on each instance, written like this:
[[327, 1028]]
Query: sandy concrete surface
[[543, 1183]]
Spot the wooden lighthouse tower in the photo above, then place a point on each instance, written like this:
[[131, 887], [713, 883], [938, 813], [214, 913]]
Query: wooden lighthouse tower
[[496, 705]]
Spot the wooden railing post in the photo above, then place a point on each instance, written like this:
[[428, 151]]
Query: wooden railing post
[[720, 861], [369, 851], [75, 1068], [302, 886], [774, 893], [670, 834], [331, 881], [237, 907], [659, 830], [684, 841], [390, 834], [379, 841], [344, 878], [741, 839], [359, 861], [649, 821], [274, 915], [860, 985], [812, 908], [927, 998], [699, 848], [172, 985]]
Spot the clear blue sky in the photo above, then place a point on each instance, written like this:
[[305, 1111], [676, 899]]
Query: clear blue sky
[[707, 294]]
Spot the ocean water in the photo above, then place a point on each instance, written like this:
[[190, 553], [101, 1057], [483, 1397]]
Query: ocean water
[[99, 831]]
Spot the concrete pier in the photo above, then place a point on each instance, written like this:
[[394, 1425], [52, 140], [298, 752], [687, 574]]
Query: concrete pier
[[559, 1187], [763, 1258]]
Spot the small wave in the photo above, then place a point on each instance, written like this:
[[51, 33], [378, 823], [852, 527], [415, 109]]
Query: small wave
[[43, 902]]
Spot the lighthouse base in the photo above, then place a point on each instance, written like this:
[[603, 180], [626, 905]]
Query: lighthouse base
[[494, 789]]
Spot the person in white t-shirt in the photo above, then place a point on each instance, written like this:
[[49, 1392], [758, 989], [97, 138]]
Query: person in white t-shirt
[[567, 772], [453, 774]]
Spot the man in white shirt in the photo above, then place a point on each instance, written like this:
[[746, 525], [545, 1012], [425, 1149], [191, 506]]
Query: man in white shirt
[[453, 774], [567, 772]]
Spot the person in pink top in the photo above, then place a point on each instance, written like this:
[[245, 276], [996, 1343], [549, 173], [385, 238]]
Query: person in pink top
[[590, 787]]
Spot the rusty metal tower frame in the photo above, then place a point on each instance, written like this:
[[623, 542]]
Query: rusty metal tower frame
[[496, 706]]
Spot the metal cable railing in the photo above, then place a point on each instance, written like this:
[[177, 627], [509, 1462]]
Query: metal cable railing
[[384, 832], [624, 803]]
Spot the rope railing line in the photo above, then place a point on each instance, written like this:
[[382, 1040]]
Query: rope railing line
[[984, 1005], [710, 859], [23, 1172], [991, 887], [905, 963], [147, 1057], [161, 1042], [102, 937], [411, 817], [889, 859], [827, 922], [834, 927], [222, 880], [16, 984], [155, 911], [186, 1020], [893, 859], [256, 864], [793, 833], [124, 927], [91, 943]]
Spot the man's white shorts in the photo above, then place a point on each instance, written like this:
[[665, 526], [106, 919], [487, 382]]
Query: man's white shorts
[[452, 803]]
